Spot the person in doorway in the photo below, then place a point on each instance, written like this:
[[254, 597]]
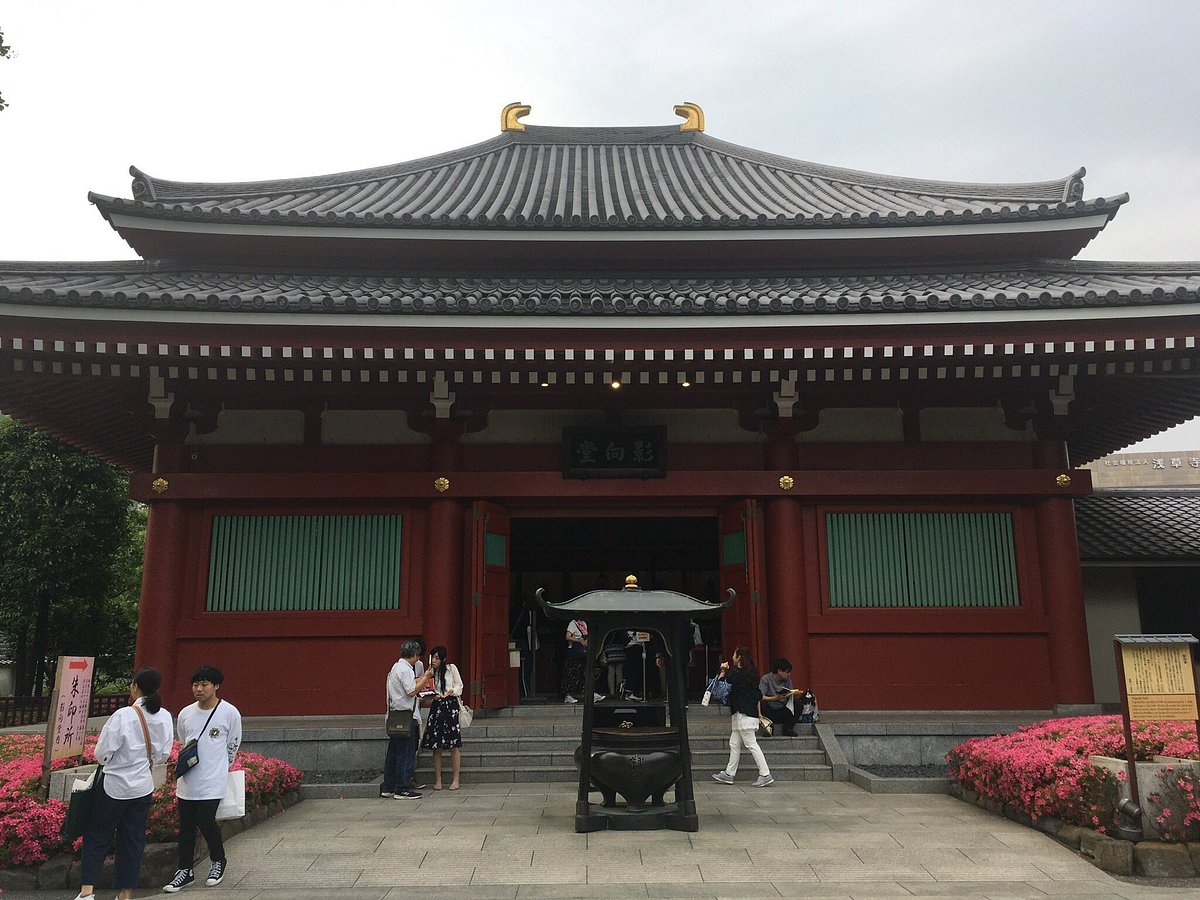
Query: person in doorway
[[575, 676], [779, 696], [744, 698], [523, 631], [132, 742], [442, 731], [403, 685], [216, 726], [613, 658]]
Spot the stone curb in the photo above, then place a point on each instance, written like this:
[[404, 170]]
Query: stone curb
[[877, 784], [1155, 859], [158, 861]]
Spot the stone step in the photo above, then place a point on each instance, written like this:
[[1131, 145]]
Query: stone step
[[699, 743], [559, 775], [528, 759]]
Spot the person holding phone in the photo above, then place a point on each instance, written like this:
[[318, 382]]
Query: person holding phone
[[403, 685], [744, 698], [443, 732]]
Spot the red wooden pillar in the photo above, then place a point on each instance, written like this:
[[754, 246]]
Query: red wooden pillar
[[162, 595], [787, 616], [1062, 590], [1062, 585], [443, 596]]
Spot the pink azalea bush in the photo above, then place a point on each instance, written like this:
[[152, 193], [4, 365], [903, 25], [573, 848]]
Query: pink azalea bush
[[29, 827], [1043, 769]]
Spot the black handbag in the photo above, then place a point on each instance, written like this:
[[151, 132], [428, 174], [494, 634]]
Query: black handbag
[[79, 810], [189, 755], [399, 723]]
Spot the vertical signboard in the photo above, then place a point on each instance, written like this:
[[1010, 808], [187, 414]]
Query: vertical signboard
[[1160, 682], [67, 726], [1157, 677]]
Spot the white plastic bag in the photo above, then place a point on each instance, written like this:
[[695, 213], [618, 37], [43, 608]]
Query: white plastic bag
[[233, 806]]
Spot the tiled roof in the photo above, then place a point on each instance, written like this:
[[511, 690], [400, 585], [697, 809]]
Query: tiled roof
[[607, 179], [1139, 525], [1047, 285]]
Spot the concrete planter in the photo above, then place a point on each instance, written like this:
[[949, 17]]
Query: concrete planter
[[1150, 858], [158, 861], [1150, 783]]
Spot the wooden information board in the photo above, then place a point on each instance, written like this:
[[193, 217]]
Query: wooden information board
[[1160, 682]]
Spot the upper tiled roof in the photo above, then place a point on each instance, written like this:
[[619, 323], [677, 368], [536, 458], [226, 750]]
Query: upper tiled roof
[[1049, 284], [1139, 525], [607, 179]]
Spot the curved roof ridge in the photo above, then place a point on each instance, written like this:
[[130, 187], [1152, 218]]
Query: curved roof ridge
[[147, 187], [1054, 190], [1069, 187]]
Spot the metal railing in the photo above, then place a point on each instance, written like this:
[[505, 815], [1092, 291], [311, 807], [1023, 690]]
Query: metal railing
[[32, 710]]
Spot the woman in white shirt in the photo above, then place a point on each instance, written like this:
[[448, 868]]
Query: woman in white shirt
[[131, 741], [442, 731]]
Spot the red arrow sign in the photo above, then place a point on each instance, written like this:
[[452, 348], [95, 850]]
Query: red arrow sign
[[77, 664]]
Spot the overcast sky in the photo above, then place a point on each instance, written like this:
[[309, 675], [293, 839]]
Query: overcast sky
[[961, 90]]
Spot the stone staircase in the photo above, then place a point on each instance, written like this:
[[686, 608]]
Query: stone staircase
[[532, 743]]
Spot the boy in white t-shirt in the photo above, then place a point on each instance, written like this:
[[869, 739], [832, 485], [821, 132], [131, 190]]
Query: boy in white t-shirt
[[216, 726]]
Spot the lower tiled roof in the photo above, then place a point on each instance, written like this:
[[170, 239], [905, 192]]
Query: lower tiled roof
[[1139, 526], [1049, 284]]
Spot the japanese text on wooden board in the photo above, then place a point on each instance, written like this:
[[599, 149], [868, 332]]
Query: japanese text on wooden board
[[1160, 682], [72, 697]]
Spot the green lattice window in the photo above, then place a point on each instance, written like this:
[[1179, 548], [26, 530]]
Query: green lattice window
[[289, 563], [921, 560]]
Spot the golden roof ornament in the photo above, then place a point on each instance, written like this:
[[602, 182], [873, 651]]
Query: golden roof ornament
[[631, 583], [511, 115], [694, 115]]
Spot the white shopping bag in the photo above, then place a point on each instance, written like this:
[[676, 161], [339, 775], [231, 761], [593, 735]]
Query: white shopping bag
[[233, 806]]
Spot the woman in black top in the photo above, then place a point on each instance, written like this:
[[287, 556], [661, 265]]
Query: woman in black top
[[744, 697]]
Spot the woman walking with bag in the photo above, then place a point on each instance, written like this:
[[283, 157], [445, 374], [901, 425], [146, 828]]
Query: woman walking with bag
[[443, 731], [744, 697], [133, 740]]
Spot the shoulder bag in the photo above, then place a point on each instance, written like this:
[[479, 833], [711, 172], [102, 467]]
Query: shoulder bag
[[718, 690], [465, 713], [189, 756], [399, 723], [83, 800], [158, 774]]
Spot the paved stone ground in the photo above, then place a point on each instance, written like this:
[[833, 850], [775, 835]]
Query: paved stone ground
[[794, 839]]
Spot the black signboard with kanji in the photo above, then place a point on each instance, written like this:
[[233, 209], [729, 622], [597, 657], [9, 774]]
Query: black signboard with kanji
[[615, 452]]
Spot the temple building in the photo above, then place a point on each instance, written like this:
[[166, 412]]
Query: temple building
[[397, 401]]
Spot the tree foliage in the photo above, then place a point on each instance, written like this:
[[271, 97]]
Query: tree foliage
[[70, 563]]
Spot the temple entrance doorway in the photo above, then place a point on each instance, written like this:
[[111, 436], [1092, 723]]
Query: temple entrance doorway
[[569, 556]]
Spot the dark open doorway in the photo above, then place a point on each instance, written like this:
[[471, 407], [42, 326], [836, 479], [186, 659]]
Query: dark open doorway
[[569, 556]]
